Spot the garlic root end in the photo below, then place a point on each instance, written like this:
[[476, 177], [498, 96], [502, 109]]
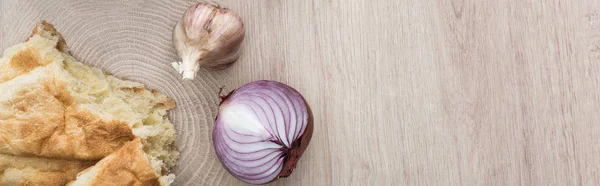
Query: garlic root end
[[189, 75]]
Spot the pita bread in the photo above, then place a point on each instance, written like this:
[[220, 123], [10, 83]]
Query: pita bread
[[53, 107]]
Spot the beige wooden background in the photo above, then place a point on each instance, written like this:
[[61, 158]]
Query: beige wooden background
[[405, 92]]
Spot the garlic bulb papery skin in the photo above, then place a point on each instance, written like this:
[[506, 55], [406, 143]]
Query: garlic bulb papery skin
[[209, 36]]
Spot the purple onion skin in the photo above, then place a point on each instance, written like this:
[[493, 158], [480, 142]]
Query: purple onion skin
[[299, 147], [291, 155]]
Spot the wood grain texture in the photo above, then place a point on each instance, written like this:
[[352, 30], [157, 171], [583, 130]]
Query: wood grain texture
[[415, 92]]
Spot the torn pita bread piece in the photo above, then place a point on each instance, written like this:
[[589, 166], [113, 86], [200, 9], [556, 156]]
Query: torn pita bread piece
[[130, 165]]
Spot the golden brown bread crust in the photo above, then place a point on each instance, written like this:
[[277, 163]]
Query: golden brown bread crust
[[26, 61], [41, 119], [21, 63], [18, 170], [127, 166], [29, 59]]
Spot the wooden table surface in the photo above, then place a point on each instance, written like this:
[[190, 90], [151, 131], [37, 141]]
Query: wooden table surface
[[411, 92]]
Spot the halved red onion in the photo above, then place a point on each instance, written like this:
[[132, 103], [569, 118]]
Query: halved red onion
[[261, 131]]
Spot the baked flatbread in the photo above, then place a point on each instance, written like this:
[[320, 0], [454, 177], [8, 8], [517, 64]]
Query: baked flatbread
[[53, 107]]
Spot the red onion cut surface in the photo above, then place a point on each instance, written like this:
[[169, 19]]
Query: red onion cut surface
[[261, 131]]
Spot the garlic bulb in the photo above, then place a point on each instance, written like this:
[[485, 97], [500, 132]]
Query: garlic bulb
[[208, 35]]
